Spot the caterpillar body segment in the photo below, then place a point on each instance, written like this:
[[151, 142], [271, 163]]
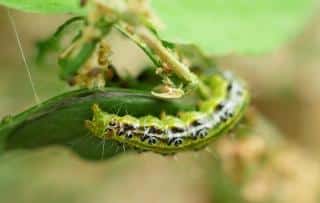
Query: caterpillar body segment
[[186, 131]]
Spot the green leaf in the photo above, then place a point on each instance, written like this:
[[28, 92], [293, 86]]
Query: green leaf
[[44, 6], [60, 120], [233, 26]]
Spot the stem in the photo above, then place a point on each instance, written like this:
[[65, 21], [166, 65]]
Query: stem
[[155, 50], [179, 68], [145, 41], [139, 43]]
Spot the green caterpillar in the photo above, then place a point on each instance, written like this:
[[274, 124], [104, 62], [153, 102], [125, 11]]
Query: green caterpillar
[[189, 130]]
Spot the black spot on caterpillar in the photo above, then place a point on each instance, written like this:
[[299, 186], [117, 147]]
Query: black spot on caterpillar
[[186, 131]]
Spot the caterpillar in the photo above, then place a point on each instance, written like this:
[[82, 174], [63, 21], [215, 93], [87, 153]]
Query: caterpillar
[[189, 130]]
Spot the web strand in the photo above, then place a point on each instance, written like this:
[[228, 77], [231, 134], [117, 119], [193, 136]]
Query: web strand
[[26, 65]]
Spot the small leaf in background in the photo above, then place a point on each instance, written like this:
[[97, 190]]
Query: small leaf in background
[[234, 26], [44, 6], [53, 43]]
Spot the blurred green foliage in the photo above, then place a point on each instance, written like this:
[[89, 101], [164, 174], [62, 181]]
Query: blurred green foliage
[[233, 26], [219, 27], [44, 6]]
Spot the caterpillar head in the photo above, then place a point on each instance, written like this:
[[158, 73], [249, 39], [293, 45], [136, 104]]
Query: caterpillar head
[[98, 122]]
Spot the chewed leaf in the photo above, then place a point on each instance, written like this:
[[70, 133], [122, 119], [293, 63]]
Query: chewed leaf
[[234, 26], [53, 43], [45, 6], [166, 92], [71, 64]]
